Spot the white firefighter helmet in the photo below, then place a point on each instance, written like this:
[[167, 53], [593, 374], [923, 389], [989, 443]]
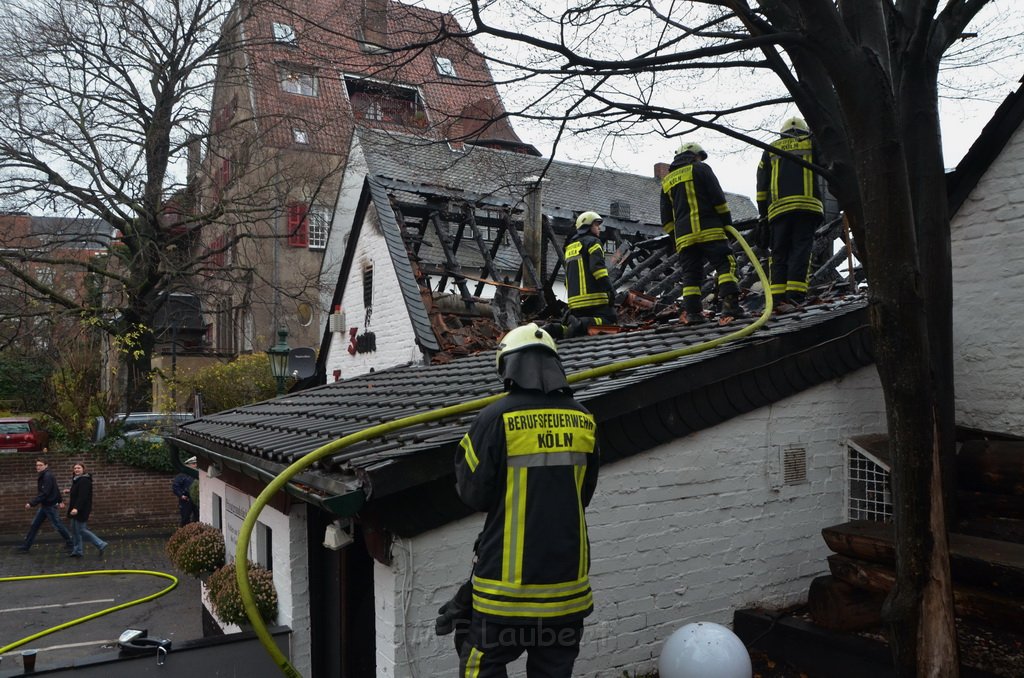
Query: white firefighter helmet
[[692, 147], [795, 124], [522, 338], [587, 219]]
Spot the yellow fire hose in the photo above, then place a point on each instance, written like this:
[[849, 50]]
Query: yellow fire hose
[[278, 483], [94, 615]]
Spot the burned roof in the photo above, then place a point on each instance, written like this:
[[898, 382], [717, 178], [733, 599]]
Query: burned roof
[[637, 408], [457, 243]]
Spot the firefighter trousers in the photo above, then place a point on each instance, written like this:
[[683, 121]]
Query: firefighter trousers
[[551, 649]]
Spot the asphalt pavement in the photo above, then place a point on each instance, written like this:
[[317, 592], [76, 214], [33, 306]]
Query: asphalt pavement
[[28, 606]]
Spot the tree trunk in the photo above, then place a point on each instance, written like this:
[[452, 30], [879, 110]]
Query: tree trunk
[[920, 609]]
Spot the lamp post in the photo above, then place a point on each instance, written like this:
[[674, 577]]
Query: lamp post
[[278, 354]]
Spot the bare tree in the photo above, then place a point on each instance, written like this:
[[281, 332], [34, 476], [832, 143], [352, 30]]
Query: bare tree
[[865, 74], [100, 105]]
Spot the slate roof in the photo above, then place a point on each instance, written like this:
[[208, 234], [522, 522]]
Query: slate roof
[[637, 408], [570, 188]]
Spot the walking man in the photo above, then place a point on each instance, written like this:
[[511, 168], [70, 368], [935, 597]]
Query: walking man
[[694, 211], [46, 502], [79, 508], [789, 197], [530, 461]]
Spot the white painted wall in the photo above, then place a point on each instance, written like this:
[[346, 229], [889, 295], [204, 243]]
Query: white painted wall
[[290, 558], [988, 273], [689, 531], [396, 343]]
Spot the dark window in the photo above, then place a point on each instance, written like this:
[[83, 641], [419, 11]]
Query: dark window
[[368, 286], [381, 102]]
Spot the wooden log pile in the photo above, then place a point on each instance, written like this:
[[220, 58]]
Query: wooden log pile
[[986, 553]]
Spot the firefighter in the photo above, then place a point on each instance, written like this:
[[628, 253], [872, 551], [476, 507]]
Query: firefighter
[[530, 461], [789, 198], [694, 212], [591, 297]]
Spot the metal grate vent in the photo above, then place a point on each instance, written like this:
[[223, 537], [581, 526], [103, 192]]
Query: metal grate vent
[[870, 497], [794, 465]]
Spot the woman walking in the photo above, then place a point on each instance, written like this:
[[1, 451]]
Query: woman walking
[[79, 507]]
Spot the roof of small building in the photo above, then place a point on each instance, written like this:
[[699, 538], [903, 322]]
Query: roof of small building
[[636, 409]]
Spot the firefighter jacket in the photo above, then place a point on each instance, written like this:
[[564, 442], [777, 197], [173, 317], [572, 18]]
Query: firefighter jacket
[[586, 277], [530, 461], [693, 205], [785, 186]]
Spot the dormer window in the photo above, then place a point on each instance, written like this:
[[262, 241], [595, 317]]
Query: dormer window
[[445, 67], [284, 34], [383, 102]]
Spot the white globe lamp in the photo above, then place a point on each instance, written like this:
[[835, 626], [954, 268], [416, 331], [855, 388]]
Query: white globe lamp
[[704, 650]]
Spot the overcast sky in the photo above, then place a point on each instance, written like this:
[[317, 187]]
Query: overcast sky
[[964, 113]]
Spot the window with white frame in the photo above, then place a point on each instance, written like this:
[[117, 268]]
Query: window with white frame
[[319, 227], [297, 81], [445, 67], [285, 34]]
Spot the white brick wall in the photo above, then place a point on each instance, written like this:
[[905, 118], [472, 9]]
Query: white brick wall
[[988, 272], [396, 343], [290, 561], [688, 531]]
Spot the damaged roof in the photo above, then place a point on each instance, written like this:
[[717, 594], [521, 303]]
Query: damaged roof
[[452, 221], [636, 409]]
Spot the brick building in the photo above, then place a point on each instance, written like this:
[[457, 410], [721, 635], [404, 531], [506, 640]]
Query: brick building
[[285, 104]]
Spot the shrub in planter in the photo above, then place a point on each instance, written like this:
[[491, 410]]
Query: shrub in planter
[[227, 600], [196, 549]]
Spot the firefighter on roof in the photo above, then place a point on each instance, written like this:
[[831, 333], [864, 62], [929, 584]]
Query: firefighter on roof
[[694, 212], [530, 462], [789, 197], [591, 297]]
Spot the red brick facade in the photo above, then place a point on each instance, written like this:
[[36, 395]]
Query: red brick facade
[[123, 497]]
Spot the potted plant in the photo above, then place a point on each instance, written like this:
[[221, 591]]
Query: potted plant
[[196, 549], [226, 599]]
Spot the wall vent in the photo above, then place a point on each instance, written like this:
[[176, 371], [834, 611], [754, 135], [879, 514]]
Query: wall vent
[[794, 465], [620, 209]]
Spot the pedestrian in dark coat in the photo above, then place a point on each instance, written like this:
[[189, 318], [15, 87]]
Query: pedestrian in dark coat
[[46, 502], [181, 486], [79, 509]]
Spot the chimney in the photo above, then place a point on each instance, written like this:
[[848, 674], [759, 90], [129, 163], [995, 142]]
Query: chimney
[[533, 234], [373, 21], [660, 170]]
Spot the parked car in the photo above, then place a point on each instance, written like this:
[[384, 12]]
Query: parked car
[[152, 425], [22, 434]]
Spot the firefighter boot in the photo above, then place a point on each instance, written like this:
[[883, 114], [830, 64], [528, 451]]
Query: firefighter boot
[[731, 309], [693, 312]]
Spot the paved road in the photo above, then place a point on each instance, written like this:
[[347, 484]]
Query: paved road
[[30, 606]]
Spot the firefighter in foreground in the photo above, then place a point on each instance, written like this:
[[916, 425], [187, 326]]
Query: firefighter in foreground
[[694, 212], [789, 197], [530, 460], [591, 298]]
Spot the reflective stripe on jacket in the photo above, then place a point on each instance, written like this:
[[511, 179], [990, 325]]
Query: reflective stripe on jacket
[[586, 276], [531, 461], [784, 185], [693, 205]]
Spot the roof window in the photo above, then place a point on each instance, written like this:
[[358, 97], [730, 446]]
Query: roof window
[[297, 81], [299, 136], [284, 34], [445, 67], [380, 102]]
